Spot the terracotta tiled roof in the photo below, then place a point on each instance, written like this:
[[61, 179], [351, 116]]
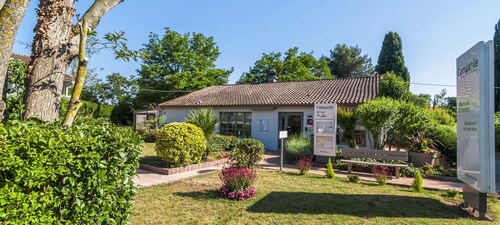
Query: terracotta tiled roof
[[341, 91], [26, 59]]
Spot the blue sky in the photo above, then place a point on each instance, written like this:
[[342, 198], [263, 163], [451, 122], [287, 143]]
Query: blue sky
[[434, 33]]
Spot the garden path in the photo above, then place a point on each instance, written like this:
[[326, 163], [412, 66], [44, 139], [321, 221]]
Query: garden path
[[271, 161]]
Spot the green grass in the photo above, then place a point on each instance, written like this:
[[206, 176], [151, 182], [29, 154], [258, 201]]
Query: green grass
[[286, 198]]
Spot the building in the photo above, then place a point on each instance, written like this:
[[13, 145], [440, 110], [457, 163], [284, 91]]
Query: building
[[262, 110]]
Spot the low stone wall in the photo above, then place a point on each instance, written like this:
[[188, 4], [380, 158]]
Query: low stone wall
[[170, 171]]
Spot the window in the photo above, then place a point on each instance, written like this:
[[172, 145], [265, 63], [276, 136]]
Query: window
[[237, 124]]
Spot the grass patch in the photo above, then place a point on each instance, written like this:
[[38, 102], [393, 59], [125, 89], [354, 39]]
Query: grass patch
[[149, 156], [286, 198]]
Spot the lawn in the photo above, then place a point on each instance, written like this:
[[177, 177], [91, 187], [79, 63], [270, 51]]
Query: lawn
[[287, 198]]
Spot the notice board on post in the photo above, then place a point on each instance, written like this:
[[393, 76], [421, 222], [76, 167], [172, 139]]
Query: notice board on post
[[475, 112], [325, 129]]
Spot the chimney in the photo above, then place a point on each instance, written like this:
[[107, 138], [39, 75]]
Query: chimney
[[272, 76]]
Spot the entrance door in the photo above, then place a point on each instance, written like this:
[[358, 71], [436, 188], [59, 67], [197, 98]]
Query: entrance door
[[292, 122]]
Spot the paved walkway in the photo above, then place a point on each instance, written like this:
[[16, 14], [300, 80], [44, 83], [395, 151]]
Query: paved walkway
[[146, 178], [271, 161]]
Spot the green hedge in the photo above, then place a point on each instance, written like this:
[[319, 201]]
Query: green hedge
[[297, 146], [88, 109], [180, 144], [247, 153], [77, 175], [217, 142]]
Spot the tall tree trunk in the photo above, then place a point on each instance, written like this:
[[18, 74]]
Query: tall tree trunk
[[55, 44], [11, 15], [75, 102], [51, 52]]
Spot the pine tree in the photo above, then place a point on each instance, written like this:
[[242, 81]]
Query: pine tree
[[330, 173], [418, 181], [391, 57], [496, 41]]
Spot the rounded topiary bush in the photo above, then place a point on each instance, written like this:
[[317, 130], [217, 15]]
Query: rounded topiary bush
[[180, 144], [247, 153]]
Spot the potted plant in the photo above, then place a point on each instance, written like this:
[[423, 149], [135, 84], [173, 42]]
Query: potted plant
[[421, 150]]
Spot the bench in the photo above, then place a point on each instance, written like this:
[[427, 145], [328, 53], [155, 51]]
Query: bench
[[374, 154]]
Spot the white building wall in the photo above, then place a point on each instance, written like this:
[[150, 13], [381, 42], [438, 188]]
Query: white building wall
[[269, 138]]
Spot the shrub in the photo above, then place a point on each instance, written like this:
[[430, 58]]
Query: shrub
[[66, 175], [304, 164], [148, 135], [238, 183], [297, 146], [205, 119], [248, 153], [180, 144], [353, 178], [227, 143], [445, 140], [440, 116], [347, 120], [418, 181], [394, 86], [378, 116], [330, 173], [104, 111], [381, 174], [122, 113]]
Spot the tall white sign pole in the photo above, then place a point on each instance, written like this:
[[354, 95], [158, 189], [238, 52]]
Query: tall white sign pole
[[475, 125]]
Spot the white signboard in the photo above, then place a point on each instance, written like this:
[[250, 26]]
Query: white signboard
[[475, 127], [325, 129], [283, 134]]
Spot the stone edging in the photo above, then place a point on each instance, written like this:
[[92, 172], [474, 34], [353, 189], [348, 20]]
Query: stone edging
[[170, 171], [443, 178]]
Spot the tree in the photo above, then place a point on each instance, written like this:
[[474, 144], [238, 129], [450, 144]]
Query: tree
[[378, 117], [15, 89], [175, 64], [54, 46], [114, 89], [391, 57], [439, 99], [496, 42], [394, 87], [11, 15], [421, 100], [122, 113], [294, 66], [347, 61], [347, 120]]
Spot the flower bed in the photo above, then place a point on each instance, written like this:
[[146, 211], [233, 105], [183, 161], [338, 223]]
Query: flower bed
[[238, 183]]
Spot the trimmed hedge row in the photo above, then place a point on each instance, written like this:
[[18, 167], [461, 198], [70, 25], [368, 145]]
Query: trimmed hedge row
[[217, 143], [88, 109], [72, 175]]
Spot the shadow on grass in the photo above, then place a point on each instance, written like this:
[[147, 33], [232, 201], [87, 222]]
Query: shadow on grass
[[362, 205], [200, 195]]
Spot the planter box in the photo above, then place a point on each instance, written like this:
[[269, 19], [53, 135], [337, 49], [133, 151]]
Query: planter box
[[419, 159], [170, 171]]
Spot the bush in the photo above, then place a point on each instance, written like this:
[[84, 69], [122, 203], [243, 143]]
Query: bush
[[445, 140], [440, 116], [353, 178], [452, 193], [381, 174], [418, 182], [180, 144], [347, 120], [304, 164], [66, 175], [238, 183], [222, 142], [148, 135], [377, 116], [297, 146], [104, 111], [248, 153], [330, 173], [122, 113]]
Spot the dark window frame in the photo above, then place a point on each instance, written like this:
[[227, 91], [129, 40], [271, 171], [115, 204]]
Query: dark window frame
[[237, 124]]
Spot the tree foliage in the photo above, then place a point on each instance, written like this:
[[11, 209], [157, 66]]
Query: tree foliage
[[421, 100], [116, 88], [177, 62], [394, 87], [347, 120], [391, 57], [378, 116], [293, 66], [347, 61], [15, 89]]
